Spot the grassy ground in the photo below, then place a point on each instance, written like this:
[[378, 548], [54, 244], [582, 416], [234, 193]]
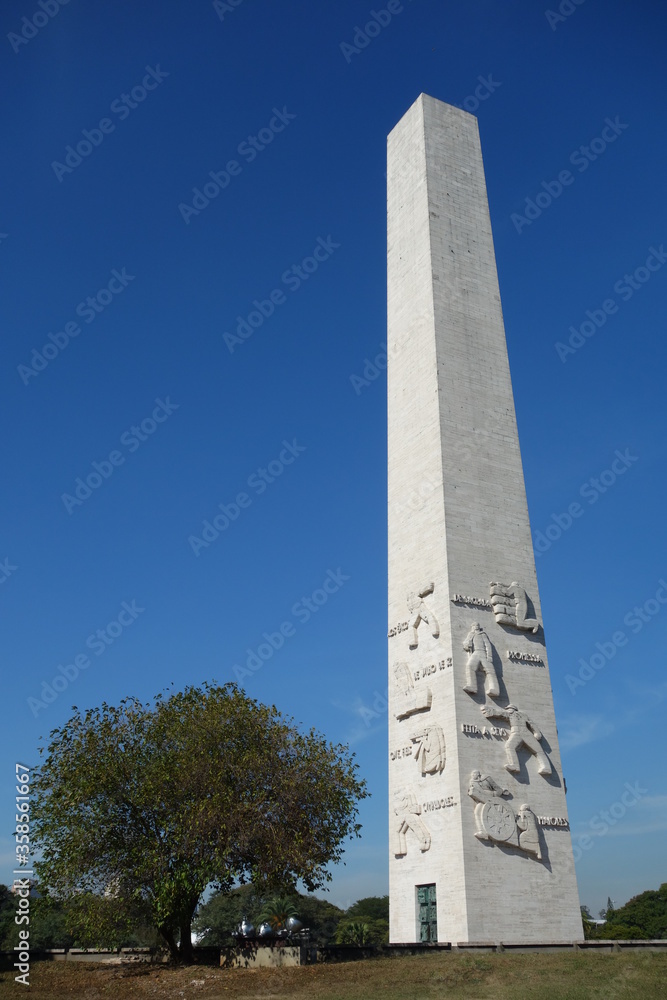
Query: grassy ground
[[571, 976]]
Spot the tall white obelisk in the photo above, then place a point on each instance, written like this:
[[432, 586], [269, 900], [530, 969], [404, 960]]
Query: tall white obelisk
[[480, 847]]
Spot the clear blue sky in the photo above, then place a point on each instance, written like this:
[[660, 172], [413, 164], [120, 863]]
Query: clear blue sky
[[171, 92]]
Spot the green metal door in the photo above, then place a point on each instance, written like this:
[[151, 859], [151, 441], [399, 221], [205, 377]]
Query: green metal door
[[427, 907]]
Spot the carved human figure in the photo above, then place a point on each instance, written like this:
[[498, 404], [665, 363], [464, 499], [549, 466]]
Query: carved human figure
[[529, 831], [523, 732], [510, 606], [484, 790], [407, 811], [409, 701], [420, 613], [478, 645], [430, 752], [404, 682]]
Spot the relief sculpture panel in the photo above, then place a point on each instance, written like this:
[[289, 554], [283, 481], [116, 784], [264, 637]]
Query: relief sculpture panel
[[510, 606], [495, 818], [407, 811], [523, 733]]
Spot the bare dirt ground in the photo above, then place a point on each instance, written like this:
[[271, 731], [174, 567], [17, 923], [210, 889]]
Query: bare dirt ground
[[584, 976]]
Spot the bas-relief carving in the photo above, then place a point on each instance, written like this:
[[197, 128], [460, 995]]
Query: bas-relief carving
[[420, 613], [523, 732], [495, 818], [478, 645], [529, 833], [510, 606], [407, 811], [485, 791], [430, 751], [408, 701]]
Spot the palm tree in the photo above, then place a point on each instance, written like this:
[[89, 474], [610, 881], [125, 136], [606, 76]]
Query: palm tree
[[356, 932], [277, 911]]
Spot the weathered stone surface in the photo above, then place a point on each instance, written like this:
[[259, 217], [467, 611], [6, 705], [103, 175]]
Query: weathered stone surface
[[460, 553]]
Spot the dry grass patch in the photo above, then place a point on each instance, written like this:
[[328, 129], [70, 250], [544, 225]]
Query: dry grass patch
[[570, 976]]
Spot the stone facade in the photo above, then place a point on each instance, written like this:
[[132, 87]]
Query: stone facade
[[479, 839]]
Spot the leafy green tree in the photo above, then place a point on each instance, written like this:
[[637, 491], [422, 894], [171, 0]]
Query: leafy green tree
[[370, 908], [618, 931], [353, 932], [371, 914], [146, 805], [223, 912], [587, 921], [49, 926], [48, 923], [7, 912], [646, 913], [321, 918], [375, 932]]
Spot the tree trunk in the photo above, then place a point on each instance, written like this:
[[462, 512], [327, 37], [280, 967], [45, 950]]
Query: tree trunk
[[186, 953], [168, 935]]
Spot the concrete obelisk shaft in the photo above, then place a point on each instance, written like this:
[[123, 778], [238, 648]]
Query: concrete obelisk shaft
[[480, 848]]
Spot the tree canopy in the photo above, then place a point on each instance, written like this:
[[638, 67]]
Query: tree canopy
[[365, 922], [222, 913], [137, 808], [369, 908], [327, 923], [643, 916]]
